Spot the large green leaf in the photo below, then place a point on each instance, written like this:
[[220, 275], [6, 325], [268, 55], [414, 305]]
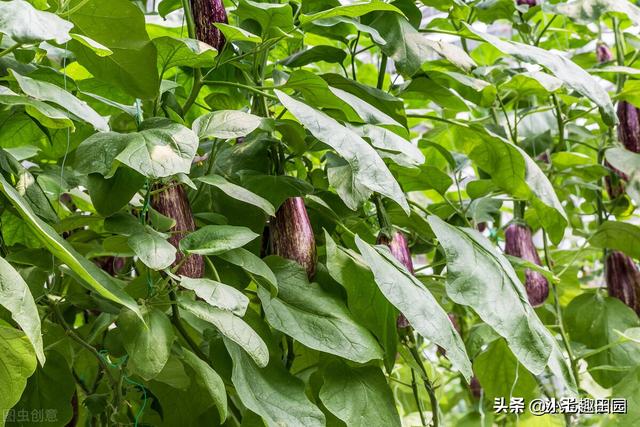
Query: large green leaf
[[215, 239], [118, 25], [45, 91], [17, 363], [181, 52], [226, 124], [26, 24], [511, 169], [272, 392], [251, 264], [330, 54], [314, 317], [16, 297], [217, 294], [208, 380], [417, 304], [479, 277], [364, 299], [410, 49], [46, 114], [619, 236], [368, 172], [162, 151], [563, 68], [50, 388], [93, 277], [274, 19], [238, 193], [592, 320], [359, 396], [350, 10], [148, 343], [232, 327]]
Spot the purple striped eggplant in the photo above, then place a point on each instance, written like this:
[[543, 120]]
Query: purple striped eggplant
[[603, 53], [623, 279], [475, 387], [205, 14], [629, 127], [397, 244], [291, 235], [530, 3], [111, 264], [519, 243], [174, 203]]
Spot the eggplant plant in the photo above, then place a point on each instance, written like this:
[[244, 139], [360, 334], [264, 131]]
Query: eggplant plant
[[319, 213]]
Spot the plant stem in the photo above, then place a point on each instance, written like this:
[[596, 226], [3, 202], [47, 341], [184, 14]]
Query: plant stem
[[560, 121], [10, 49], [416, 396], [382, 71], [619, 41], [242, 86]]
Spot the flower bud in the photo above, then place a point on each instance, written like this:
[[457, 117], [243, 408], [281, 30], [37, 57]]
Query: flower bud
[[519, 243], [623, 279], [603, 53]]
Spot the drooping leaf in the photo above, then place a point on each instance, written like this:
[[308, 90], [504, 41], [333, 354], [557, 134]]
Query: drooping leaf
[[417, 304], [272, 392], [45, 91], [330, 54], [252, 264], [93, 277], [209, 380], [479, 277], [236, 34], [368, 172], [350, 10], [46, 114], [314, 317], [183, 52], [360, 397], [587, 11], [16, 297], [563, 68]]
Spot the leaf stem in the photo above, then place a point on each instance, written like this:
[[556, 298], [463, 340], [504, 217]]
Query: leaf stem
[[176, 319], [10, 49], [416, 396], [242, 86]]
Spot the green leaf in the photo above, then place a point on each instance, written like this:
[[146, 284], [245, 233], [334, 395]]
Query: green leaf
[[208, 380], [479, 277], [500, 374], [563, 68], [217, 294], [46, 114], [364, 299], [350, 10], [148, 343], [153, 249], [110, 195], [410, 49], [119, 25], [330, 54], [183, 52], [16, 297], [50, 388], [232, 327], [592, 320], [236, 34], [238, 193], [165, 7], [226, 124], [92, 277], [274, 19], [251, 264], [588, 11], [45, 91], [215, 239], [314, 317], [160, 152], [275, 188], [359, 396], [619, 236], [413, 300], [98, 153], [369, 173], [26, 24], [629, 389], [18, 362], [391, 146], [273, 393]]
